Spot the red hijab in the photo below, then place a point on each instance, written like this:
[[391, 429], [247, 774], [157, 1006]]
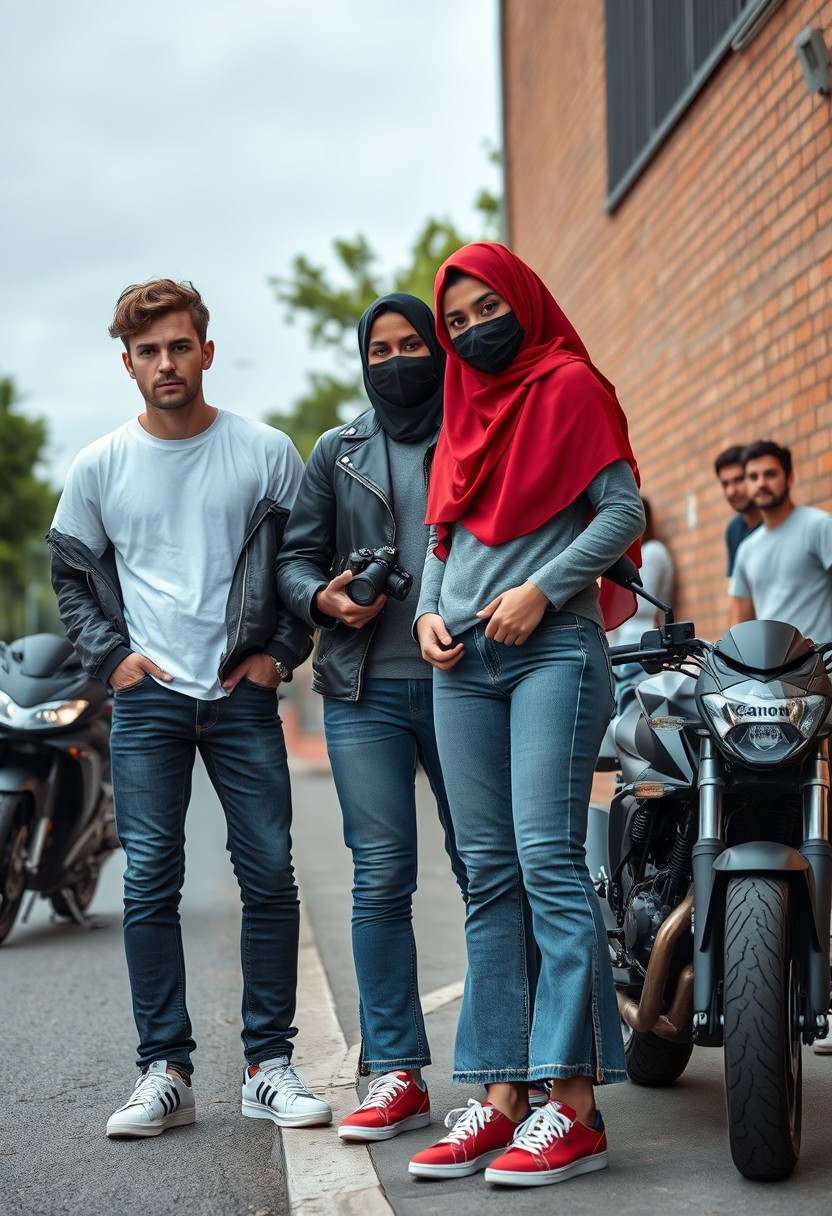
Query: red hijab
[[518, 446]]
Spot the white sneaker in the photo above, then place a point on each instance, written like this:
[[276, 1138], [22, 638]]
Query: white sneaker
[[276, 1092], [823, 1047], [160, 1100]]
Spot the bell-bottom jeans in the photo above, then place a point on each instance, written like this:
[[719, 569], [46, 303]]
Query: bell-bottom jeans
[[519, 729], [374, 744], [156, 734]]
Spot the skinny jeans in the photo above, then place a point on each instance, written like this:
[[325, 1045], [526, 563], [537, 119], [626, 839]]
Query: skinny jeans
[[374, 745], [156, 735]]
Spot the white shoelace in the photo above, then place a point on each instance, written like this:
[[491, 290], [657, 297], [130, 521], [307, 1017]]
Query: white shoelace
[[285, 1080], [466, 1121], [150, 1087], [383, 1090], [541, 1129]]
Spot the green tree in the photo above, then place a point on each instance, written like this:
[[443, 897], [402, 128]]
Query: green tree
[[331, 312], [26, 506]]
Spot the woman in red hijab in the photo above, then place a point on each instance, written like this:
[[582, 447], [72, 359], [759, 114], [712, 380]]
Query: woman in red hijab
[[533, 495]]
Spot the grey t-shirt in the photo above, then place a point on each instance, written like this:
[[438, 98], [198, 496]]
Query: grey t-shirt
[[394, 655], [786, 572], [564, 557]]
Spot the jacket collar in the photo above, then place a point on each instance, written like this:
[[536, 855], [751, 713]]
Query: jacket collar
[[362, 427], [365, 426]]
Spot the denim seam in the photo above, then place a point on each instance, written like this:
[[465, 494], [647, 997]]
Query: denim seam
[[596, 1029], [246, 920], [415, 1004], [179, 954], [400, 1062]]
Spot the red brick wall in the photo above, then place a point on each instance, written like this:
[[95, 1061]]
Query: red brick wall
[[706, 295]]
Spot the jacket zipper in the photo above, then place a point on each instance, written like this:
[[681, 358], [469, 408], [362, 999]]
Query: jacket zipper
[[242, 598], [242, 604], [373, 490]]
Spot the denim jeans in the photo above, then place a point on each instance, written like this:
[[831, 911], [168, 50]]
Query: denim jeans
[[156, 733], [519, 728], [373, 747]]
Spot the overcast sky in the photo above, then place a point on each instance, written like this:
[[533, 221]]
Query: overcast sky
[[212, 140]]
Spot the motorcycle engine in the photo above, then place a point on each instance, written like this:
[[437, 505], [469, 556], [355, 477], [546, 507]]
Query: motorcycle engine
[[646, 910]]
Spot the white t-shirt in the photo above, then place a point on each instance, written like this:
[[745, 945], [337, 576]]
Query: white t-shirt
[[657, 578], [786, 572], [176, 511]]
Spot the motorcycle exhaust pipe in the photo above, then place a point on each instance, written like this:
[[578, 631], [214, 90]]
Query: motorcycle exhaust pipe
[[645, 1015]]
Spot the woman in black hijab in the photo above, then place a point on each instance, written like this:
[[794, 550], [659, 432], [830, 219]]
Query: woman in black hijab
[[365, 487]]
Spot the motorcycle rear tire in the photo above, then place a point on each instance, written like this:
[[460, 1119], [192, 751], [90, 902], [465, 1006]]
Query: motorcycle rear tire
[[654, 1061], [83, 890], [16, 817], [763, 1057]]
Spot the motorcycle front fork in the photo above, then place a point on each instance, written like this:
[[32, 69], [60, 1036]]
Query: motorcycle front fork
[[815, 849]]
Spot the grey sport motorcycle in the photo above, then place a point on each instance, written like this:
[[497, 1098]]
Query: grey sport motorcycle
[[56, 802], [714, 868]]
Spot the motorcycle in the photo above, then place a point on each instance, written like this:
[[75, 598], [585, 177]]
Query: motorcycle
[[57, 825], [714, 868]]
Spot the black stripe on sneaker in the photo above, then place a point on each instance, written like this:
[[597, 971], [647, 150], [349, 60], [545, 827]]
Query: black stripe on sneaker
[[259, 1092], [177, 1101], [270, 1095], [165, 1099]]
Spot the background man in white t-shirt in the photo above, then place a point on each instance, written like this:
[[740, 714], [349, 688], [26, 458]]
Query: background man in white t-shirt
[[783, 570], [163, 560]]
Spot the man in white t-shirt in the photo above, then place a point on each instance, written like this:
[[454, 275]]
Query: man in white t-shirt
[[783, 571], [163, 560]]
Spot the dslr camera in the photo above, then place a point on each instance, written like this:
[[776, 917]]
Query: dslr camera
[[376, 573]]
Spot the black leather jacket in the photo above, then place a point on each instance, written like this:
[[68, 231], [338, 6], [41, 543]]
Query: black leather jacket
[[91, 606], [345, 502]]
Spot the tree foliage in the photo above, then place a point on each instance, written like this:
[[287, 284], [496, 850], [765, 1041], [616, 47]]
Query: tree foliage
[[26, 504], [331, 311]]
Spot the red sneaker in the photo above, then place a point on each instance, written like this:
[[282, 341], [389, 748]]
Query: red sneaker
[[394, 1104], [551, 1146], [478, 1135]]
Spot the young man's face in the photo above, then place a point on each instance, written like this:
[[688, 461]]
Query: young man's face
[[767, 482], [167, 359], [732, 479]]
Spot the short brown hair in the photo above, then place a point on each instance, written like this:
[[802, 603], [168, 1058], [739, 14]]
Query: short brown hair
[[141, 303]]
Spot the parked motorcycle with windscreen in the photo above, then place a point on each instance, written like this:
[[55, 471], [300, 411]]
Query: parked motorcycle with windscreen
[[714, 868], [57, 825]]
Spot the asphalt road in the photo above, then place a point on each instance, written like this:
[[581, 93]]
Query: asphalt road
[[668, 1148], [66, 1062]]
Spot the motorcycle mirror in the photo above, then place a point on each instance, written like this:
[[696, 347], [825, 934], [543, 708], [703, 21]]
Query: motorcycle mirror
[[624, 572]]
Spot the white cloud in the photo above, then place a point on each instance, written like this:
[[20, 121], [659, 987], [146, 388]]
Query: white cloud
[[213, 141]]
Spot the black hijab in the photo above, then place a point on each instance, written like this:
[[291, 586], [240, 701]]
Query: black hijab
[[405, 423]]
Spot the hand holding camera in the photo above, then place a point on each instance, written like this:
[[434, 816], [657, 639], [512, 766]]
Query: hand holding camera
[[360, 592]]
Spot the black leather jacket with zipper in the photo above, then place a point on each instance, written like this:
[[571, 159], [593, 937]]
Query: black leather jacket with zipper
[[345, 502], [92, 610]]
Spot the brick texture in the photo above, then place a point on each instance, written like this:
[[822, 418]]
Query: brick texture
[[705, 295]]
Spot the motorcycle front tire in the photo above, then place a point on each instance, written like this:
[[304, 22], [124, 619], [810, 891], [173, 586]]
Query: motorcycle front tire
[[16, 818], [763, 1057]]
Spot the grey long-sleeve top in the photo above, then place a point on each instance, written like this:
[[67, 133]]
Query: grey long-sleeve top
[[563, 557]]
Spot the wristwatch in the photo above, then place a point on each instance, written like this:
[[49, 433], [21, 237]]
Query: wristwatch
[[281, 668]]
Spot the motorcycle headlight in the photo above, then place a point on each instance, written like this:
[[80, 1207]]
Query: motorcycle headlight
[[763, 729], [56, 713], [7, 709]]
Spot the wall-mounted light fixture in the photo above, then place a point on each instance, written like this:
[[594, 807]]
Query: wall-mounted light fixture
[[814, 60]]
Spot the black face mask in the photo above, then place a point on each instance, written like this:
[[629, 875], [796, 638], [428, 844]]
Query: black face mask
[[491, 345], [406, 380]]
